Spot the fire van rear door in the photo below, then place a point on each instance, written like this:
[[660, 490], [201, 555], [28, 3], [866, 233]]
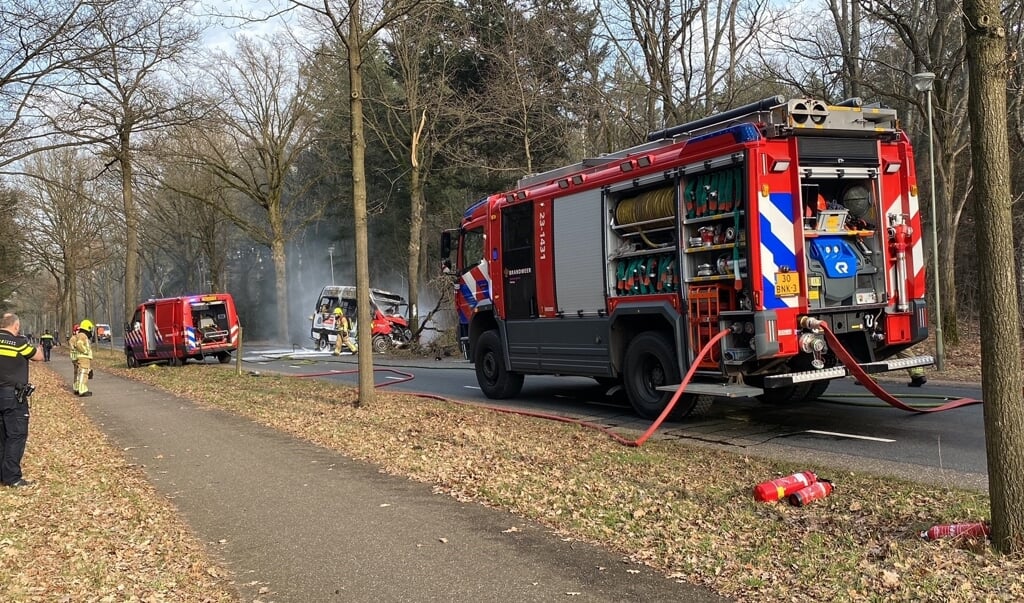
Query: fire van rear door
[[168, 325], [149, 324]]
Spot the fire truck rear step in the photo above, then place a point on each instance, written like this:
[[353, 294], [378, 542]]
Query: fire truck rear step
[[836, 372], [721, 390]]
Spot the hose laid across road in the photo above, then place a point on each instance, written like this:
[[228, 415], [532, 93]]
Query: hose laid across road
[[876, 389], [841, 353], [550, 417]]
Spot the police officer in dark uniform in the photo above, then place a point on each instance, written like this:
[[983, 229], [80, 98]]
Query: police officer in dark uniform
[[15, 352], [46, 341]]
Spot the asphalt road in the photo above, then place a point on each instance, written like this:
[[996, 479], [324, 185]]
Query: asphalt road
[[847, 427]]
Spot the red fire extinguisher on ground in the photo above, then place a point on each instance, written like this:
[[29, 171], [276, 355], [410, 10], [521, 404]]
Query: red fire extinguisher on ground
[[778, 489], [819, 489], [953, 530]]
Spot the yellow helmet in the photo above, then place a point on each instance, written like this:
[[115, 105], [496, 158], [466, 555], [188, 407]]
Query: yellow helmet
[[338, 310], [85, 325]]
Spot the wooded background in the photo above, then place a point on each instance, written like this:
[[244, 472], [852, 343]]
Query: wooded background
[[159, 148]]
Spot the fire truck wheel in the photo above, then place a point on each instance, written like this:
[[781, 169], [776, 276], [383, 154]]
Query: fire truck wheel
[[698, 407], [815, 390], [496, 382], [223, 357], [132, 361], [381, 344], [790, 394], [775, 395], [649, 364], [175, 361]]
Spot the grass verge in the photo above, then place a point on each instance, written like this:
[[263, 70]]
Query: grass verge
[[92, 528], [687, 511]]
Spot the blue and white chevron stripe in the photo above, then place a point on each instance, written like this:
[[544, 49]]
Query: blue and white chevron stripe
[[778, 245]]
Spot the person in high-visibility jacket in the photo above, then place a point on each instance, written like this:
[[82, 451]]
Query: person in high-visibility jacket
[[81, 349], [343, 326], [917, 374], [46, 341], [15, 392], [73, 355]]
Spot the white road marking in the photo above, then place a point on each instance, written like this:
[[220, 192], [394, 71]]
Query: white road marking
[[850, 435], [395, 378], [471, 387]]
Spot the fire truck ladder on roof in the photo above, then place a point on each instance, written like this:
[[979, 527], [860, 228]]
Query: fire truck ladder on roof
[[808, 116], [589, 162], [780, 117]]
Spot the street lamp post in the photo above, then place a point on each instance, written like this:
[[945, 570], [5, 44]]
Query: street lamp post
[[923, 82], [330, 252]]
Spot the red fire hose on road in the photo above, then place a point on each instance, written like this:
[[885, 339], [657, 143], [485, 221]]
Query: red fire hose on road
[[872, 386], [840, 351], [540, 415]]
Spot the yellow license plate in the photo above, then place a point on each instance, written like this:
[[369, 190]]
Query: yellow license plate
[[787, 284]]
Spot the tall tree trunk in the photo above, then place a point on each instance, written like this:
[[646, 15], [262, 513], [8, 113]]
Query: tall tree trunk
[[946, 223], [416, 209], [71, 302], [367, 395], [1000, 352], [280, 257], [947, 291], [131, 221]]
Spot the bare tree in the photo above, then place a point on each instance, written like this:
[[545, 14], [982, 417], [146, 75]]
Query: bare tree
[[409, 126], [931, 35], [1000, 349], [40, 41], [130, 90], [251, 145], [353, 29], [65, 212], [188, 235], [646, 40], [689, 52], [423, 116], [872, 49]]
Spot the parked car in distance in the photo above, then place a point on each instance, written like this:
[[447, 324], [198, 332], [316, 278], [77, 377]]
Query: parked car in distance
[[103, 332]]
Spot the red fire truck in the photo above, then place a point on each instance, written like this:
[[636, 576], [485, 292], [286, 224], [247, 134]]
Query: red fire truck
[[771, 221], [175, 329]]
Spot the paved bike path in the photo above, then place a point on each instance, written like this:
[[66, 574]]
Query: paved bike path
[[311, 525]]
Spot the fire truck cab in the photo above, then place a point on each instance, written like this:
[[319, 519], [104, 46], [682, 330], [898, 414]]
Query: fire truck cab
[[175, 329], [766, 222]]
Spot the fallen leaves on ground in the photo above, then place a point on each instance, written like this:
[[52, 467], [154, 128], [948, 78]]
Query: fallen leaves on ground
[[685, 510], [92, 528]]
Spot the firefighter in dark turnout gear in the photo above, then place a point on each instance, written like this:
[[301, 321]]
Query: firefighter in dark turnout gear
[[15, 352]]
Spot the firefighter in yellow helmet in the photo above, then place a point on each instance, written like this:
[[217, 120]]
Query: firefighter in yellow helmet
[[81, 352], [343, 326]]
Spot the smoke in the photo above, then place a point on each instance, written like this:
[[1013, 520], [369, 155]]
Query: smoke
[[310, 270]]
